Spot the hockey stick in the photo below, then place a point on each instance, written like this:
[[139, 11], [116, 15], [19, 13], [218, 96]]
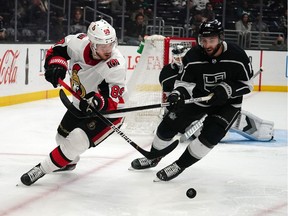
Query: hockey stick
[[196, 126], [153, 106], [149, 155], [77, 113], [258, 72]]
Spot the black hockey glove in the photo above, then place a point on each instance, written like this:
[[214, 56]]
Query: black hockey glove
[[176, 102], [56, 69], [222, 92], [91, 101]]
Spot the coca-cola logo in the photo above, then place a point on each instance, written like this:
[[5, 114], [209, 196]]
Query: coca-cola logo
[[8, 68]]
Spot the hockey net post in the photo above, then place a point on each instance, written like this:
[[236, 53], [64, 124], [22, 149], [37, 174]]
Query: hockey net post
[[144, 87]]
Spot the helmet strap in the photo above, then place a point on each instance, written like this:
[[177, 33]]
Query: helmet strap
[[94, 51], [96, 55]]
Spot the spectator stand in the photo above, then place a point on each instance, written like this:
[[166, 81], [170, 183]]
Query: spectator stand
[[77, 24], [90, 14], [255, 40]]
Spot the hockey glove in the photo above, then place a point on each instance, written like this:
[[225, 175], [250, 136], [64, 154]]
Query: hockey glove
[[91, 101], [56, 69], [221, 93], [176, 102]]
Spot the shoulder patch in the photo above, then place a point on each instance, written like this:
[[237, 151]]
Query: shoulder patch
[[81, 36], [113, 63]]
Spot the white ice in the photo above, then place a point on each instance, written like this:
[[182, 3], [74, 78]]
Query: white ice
[[238, 177]]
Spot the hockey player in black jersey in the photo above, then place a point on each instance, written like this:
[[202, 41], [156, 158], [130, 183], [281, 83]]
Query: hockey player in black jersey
[[213, 66], [247, 125]]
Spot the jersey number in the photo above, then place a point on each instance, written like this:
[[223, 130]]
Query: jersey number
[[116, 91]]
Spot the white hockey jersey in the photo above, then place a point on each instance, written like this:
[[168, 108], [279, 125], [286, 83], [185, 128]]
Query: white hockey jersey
[[87, 74]]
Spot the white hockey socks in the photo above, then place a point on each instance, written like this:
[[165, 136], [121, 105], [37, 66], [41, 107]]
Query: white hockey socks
[[71, 147], [197, 149], [160, 144]]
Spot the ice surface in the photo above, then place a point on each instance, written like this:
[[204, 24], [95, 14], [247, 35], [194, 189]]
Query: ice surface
[[238, 177]]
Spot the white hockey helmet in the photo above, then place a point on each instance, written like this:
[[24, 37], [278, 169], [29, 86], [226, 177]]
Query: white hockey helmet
[[178, 52], [101, 32]]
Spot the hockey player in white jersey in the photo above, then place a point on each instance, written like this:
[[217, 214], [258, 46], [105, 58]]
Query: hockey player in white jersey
[[98, 74]]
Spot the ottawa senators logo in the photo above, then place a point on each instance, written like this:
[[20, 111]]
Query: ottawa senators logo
[[75, 81], [106, 31], [91, 125], [113, 63]]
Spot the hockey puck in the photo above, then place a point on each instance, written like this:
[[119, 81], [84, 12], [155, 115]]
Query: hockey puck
[[191, 193]]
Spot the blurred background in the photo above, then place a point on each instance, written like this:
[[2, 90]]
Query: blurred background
[[252, 24]]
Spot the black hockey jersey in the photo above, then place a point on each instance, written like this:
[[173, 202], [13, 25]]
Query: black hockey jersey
[[201, 73], [167, 77]]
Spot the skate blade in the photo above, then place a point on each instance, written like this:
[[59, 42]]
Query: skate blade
[[157, 180], [131, 169], [20, 184]]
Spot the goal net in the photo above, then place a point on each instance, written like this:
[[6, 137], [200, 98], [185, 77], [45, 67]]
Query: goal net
[[144, 87]]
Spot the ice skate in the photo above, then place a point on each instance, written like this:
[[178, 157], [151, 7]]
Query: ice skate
[[169, 172], [32, 175], [144, 163]]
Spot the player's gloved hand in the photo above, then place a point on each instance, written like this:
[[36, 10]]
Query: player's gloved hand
[[56, 69], [221, 93], [91, 101], [176, 101]]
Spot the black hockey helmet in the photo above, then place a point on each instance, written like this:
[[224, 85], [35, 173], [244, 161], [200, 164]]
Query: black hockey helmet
[[211, 28]]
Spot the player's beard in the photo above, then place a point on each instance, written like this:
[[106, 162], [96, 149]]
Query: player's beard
[[211, 52]]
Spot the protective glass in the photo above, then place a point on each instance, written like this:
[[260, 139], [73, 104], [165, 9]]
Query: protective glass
[[208, 41], [102, 48]]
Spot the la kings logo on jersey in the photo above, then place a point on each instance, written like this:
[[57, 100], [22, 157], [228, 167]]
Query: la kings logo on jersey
[[210, 80]]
